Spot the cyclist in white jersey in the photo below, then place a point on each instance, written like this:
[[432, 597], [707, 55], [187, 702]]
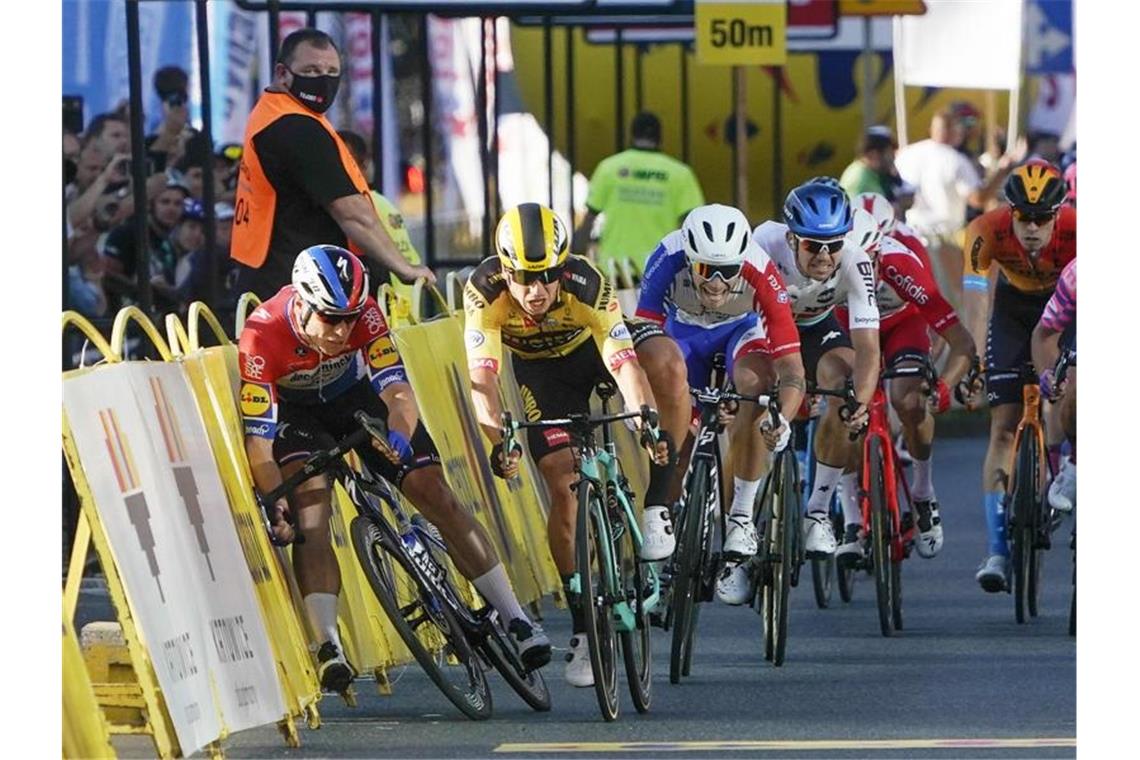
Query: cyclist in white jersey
[[821, 270], [709, 289]]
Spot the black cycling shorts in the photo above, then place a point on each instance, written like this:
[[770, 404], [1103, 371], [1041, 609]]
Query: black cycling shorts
[[303, 429], [816, 340], [1012, 320], [556, 387]]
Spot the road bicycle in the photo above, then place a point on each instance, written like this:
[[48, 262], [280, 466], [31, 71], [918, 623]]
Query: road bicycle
[[824, 571], [1030, 520], [401, 556], [888, 520], [617, 590]]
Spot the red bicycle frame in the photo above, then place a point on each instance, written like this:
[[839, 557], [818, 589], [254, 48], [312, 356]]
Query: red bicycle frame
[[878, 427]]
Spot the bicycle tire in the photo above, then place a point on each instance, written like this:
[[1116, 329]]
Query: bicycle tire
[[880, 537], [593, 574], [379, 563], [787, 498], [636, 645], [1073, 603], [499, 652], [822, 575], [1023, 520], [687, 571]]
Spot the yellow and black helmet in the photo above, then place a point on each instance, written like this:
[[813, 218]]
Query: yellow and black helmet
[[531, 238], [1036, 187]]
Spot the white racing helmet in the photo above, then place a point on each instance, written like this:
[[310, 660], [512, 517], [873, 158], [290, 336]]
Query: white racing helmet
[[879, 207], [865, 233], [716, 239]]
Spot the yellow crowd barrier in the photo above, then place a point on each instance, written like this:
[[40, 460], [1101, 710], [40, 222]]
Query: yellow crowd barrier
[[84, 729]]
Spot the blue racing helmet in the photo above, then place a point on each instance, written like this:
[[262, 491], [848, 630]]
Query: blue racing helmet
[[818, 210]]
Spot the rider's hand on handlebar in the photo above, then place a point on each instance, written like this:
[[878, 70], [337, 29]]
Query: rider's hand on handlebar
[[726, 413], [279, 522], [857, 420], [1045, 380], [938, 398], [504, 465], [653, 439], [776, 439], [397, 449]]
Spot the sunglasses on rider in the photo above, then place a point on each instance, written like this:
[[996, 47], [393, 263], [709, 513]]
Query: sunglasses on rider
[[1034, 217], [707, 271], [816, 247], [524, 277], [336, 319]]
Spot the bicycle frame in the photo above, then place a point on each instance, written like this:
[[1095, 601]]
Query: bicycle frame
[[878, 427], [1031, 421]]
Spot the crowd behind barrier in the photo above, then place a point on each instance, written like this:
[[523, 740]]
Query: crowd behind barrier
[[156, 451]]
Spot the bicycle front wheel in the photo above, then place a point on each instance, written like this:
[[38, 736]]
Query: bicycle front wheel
[[688, 562], [881, 538], [529, 685], [1025, 501], [636, 647], [424, 622], [786, 505], [595, 571]]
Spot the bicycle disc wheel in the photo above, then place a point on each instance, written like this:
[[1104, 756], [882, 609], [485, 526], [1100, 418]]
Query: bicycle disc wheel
[[594, 570], [425, 623], [881, 538], [1023, 522], [636, 645], [687, 562], [529, 685]]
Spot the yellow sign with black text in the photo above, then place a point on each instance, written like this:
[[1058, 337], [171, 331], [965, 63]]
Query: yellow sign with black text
[[741, 33]]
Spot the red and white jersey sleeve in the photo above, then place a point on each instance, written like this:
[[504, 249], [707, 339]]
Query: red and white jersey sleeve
[[908, 237], [772, 303], [903, 279]]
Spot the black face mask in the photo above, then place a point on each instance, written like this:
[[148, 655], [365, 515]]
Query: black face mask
[[315, 92]]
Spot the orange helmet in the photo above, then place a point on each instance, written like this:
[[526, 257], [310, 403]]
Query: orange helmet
[[1036, 187]]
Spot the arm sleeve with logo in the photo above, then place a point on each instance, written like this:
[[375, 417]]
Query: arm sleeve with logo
[[977, 255], [609, 330], [385, 366], [258, 393], [308, 155], [1062, 307], [774, 307], [859, 283], [482, 336], [660, 269]]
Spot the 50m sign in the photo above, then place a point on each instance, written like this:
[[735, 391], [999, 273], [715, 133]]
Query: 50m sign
[[741, 33]]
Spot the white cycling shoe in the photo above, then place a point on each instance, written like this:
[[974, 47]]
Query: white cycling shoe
[[993, 575], [734, 586], [1063, 489], [819, 538], [741, 538], [578, 671], [929, 541], [657, 540]]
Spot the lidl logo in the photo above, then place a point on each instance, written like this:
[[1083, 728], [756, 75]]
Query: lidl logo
[[255, 400], [382, 354]]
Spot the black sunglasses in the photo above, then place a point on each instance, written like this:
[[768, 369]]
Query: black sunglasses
[[336, 319], [816, 247], [524, 277], [1035, 217]]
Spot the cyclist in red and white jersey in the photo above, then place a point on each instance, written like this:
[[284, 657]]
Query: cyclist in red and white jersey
[[310, 358], [909, 301]]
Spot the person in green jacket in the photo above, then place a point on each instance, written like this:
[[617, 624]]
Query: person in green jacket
[[873, 169], [390, 217], [643, 193]]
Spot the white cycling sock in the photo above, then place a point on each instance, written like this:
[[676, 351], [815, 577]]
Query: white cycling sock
[[849, 498], [743, 497], [922, 484], [322, 616], [496, 589], [826, 477]]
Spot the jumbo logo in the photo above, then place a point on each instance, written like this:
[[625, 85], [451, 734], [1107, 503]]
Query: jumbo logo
[[255, 400], [381, 353]]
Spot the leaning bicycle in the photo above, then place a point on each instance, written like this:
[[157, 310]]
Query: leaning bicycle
[[401, 556], [617, 590]]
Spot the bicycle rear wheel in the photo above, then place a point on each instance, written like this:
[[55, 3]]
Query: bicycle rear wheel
[[1024, 501], [636, 646], [529, 685], [426, 623], [881, 538], [688, 561], [594, 565]]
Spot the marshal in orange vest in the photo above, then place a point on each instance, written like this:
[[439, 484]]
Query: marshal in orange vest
[[255, 206]]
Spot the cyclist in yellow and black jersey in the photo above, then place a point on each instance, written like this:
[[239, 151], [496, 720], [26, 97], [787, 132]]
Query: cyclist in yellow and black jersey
[[558, 317]]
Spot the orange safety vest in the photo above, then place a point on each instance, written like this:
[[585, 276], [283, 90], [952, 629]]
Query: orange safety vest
[[255, 205]]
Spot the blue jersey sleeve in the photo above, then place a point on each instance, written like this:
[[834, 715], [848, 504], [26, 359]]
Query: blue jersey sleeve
[[660, 270]]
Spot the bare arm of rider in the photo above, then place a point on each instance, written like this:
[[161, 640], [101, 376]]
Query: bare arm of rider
[[356, 215], [402, 412], [963, 353], [267, 476], [488, 409], [1045, 347], [790, 371], [866, 374]]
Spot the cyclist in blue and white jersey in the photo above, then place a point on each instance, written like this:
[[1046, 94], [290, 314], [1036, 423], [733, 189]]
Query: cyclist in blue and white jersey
[[709, 289], [820, 271]]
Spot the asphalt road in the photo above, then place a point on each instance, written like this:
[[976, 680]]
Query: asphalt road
[[962, 680]]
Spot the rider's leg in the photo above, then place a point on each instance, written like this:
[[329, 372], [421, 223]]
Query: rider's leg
[[752, 374], [832, 451], [664, 365], [315, 565], [909, 401]]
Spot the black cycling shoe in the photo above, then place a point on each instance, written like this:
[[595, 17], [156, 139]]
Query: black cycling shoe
[[531, 641], [334, 671]]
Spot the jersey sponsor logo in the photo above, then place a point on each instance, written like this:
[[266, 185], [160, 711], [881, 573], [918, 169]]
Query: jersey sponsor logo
[[782, 297], [474, 338], [651, 174], [262, 429], [621, 357], [556, 437], [256, 400], [867, 272], [374, 321], [870, 321], [773, 282], [389, 377], [484, 363], [907, 285], [254, 366], [976, 252], [620, 332], [381, 353]]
